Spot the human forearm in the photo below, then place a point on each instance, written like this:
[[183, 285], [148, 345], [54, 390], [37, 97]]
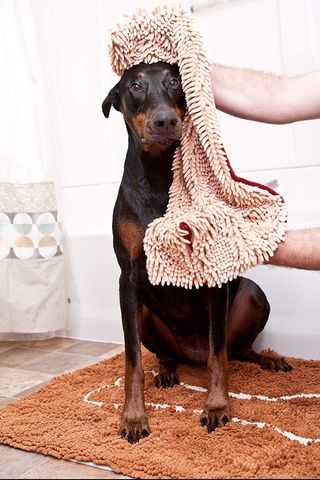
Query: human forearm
[[266, 97], [304, 96], [300, 249]]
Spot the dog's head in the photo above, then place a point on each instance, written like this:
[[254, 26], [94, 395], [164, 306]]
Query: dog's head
[[152, 101]]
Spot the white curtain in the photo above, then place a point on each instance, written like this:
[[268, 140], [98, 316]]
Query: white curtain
[[32, 286]]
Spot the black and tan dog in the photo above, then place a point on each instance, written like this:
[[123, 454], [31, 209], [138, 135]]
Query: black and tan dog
[[178, 325]]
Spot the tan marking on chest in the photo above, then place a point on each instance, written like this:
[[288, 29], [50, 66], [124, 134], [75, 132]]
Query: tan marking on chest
[[131, 235], [155, 150]]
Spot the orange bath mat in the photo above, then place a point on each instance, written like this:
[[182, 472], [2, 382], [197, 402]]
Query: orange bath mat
[[274, 432]]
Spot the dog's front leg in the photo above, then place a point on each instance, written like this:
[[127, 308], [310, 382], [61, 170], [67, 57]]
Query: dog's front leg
[[216, 412], [134, 423]]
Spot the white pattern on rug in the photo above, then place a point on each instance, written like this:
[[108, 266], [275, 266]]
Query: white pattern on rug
[[240, 396]]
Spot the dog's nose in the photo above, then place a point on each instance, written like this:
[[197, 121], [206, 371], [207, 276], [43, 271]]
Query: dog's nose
[[165, 119]]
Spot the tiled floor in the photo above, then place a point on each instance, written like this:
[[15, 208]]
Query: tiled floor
[[24, 368]]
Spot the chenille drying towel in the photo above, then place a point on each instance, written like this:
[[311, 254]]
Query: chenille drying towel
[[217, 225]]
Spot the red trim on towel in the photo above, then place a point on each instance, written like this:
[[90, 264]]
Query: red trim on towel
[[249, 182], [188, 235]]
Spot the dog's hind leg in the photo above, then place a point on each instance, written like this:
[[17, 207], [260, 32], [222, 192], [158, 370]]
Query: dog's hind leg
[[266, 362], [157, 338], [248, 316]]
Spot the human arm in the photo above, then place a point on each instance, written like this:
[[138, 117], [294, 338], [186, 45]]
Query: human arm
[[265, 97]]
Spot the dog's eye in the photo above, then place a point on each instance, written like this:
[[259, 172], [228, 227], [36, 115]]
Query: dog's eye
[[174, 83], [135, 88]]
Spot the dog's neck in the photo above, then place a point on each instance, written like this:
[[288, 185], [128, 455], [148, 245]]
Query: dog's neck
[[153, 164]]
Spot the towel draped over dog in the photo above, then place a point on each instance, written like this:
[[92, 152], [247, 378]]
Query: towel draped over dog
[[217, 225]]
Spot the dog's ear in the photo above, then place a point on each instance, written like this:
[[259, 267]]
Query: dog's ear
[[111, 99]]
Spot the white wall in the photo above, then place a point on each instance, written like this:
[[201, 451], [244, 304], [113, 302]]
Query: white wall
[[279, 36]]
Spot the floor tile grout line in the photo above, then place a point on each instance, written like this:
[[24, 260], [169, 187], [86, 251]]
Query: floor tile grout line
[[90, 341], [60, 350], [36, 466], [67, 353], [23, 347], [49, 350], [77, 341], [78, 354], [7, 349]]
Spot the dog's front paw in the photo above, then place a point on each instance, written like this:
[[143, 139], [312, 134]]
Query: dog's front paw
[[134, 428], [214, 417]]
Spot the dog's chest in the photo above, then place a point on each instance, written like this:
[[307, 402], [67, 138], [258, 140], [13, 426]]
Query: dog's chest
[[148, 203]]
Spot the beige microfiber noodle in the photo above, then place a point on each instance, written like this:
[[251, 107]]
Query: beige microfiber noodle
[[235, 224], [77, 416]]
